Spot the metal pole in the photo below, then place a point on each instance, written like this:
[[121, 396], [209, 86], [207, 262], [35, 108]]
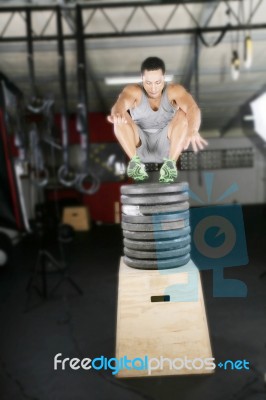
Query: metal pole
[[61, 62], [81, 72], [196, 66], [82, 111], [196, 77], [65, 176], [30, 53]]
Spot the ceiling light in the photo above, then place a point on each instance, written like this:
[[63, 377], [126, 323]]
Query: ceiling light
[[122, 80], [248, 52], [248, 118]]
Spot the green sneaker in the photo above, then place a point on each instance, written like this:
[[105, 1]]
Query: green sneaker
[[136, 170], [168, 171]]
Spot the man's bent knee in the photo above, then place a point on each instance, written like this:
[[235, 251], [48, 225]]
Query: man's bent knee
[[127, 129]]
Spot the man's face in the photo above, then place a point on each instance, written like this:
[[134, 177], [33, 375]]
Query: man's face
[[153, 82]]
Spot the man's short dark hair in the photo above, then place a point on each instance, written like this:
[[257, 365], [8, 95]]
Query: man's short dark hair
[[152, 64]]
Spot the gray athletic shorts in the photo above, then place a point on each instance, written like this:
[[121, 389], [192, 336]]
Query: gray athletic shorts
[[155, 145]]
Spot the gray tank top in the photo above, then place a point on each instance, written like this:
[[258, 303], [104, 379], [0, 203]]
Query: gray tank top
[[149, 120]]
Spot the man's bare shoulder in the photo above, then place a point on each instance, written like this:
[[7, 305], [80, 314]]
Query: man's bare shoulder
[[132, 95], [133, 90], [175, 89]]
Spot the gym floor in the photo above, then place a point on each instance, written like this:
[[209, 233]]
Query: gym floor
[[33, 330]]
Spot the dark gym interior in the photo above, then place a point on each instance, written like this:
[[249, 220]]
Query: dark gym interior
[[63, 64]]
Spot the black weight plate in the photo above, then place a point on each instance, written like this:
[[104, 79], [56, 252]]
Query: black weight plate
[[156, 255], [163, 226], [154, 199], [157, 218], [158, 244], [5, 249], [173, 234], [128, 209], [156, 264], [156, 188]]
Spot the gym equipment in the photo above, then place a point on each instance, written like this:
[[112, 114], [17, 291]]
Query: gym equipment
[[153, 199], [5, 250], [142, 219], [175, 233], [46, 262], [86, 175], [157, 264], [160, 245], [154, 188], [154, 214], [11, 210], [108, 160], [39, 173], [155, 322], [37, 103], [160, 303], [154, 209], [14, 119], [158, 254], [65, 175], [66, 233], [164, 226]]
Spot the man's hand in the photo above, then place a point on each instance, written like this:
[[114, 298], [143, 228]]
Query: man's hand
[[197, 142], [117, 118]]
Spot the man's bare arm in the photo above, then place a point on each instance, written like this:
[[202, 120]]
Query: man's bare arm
[[185, 101], [126, 100]]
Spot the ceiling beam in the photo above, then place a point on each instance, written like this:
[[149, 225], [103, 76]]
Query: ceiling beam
[[110, 35], [102, 5], [127, 43]]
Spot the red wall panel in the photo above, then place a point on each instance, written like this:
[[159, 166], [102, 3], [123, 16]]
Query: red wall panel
[[102, 204], [100, 130]]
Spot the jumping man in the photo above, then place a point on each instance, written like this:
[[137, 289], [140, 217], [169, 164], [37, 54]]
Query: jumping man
[[155, 122]]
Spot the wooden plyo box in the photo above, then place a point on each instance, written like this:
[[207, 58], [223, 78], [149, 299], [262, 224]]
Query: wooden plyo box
[[173, 329], [77, 217]]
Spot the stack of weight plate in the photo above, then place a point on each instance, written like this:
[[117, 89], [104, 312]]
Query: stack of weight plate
[[155, 222]]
